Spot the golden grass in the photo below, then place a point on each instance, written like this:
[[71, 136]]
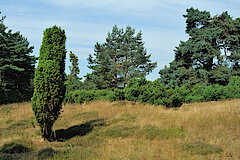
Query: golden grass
[[214, 123]]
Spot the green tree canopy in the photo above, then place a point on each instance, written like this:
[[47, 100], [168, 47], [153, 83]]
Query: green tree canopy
[[49, 80], [74, 69], [73, 81], [16, 66], [210, 55], [121, 58]]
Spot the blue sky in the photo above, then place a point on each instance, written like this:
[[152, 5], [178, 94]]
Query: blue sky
[[88, 22]]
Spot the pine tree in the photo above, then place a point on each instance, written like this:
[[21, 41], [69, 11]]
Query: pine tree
[[210, 55], [121, 58], [103, 75], [74, 69], [49, 80], [16, 66], [73, 81]]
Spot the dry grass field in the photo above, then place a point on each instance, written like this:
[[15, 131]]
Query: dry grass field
[[127, 131]]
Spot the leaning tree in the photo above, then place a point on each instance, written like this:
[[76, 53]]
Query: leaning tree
[[49, 80]]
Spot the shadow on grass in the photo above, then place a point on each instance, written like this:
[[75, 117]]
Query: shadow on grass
[[62, 135]]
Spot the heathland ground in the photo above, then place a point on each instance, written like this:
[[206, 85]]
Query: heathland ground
[[125, 130]]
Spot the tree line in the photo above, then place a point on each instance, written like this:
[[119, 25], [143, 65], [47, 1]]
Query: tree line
[[206, 67], [211, 55]]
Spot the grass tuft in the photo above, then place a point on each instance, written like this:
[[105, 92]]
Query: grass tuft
[[120, 131], [152, 132], [201, 148], [15, 147], [45, 153], [21, 124], [8, 156]]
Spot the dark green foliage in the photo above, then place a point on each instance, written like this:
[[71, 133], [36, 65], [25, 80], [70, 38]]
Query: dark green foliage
[[116, 95], [196, 94], [175, 97], [141, 90], [155, 93], [209, 56], [214, 93], [20, 149], [201, 148], [121, 58], [73, 81], [45, 153], [201, 93], [16, 66], [15, 147], [81, 96], [49, 80], [233, 88], [74, 68], [135, 88]]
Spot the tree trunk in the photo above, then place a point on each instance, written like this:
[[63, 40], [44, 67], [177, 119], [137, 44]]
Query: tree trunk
[[47, 131], [209, 65]]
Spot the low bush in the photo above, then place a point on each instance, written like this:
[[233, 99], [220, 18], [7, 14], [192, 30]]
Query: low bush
[[233, 87], [201, 148], [15, 147], [45, 153], [142, 90]]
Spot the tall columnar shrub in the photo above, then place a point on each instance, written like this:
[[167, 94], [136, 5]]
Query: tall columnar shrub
[[49, 80]]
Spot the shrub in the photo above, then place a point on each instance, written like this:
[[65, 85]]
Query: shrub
[[195, 94], [135, 88], [214, 93], [156, 93], [81, 96], [45, 153], [49, 80], [15, 147], [175, 97], [201, 148], [116, 95], [233, 87], [102, 94]]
